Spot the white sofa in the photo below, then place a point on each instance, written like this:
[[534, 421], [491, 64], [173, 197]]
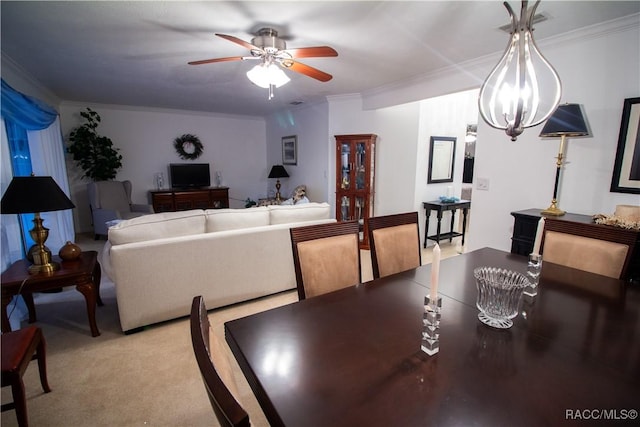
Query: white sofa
[[159, 262]]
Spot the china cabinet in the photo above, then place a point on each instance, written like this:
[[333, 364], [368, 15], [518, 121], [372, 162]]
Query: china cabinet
[[355, 164]]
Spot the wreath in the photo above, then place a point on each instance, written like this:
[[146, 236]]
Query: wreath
[[188, 146]]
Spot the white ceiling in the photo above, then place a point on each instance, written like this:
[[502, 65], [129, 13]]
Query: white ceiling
[[136, 53]]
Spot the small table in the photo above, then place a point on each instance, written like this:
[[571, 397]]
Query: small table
[[440, 207], [84, 273]]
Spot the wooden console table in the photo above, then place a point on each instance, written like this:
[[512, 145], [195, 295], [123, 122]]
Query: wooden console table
[[175, 199], [84, 273], [440, 207], [526, 224]]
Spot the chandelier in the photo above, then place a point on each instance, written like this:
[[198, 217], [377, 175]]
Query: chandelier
[[523, 89]]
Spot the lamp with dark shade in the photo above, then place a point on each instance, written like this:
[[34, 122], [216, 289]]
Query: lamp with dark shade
[[278, 171], [35, 194], [566, 120]]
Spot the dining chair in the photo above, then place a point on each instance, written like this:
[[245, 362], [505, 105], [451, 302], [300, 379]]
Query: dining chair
[[326, 257], [20, 347], [222, 393], [585, 253], [395, 243]]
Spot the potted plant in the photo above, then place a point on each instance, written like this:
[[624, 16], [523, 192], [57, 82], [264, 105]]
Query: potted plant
[[95, 154]]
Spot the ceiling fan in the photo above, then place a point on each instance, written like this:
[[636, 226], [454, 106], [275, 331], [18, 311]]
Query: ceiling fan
[[272, 51]]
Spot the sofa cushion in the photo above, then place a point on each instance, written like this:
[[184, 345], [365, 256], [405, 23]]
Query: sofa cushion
[[158, 226], [233, 219], [285, 214]]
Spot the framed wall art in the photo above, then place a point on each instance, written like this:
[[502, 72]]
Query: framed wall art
[[442, 153], [626, 169], [289, 150]]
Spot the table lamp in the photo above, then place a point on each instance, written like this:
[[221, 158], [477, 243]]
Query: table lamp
[[35, 194], [278, 171], [567, 120]]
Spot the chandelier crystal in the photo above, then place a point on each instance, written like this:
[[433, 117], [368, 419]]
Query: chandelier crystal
[[523, 89]]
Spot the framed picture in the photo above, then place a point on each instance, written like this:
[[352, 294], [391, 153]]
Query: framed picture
[[289, 150], [626, 169], [442, 154]]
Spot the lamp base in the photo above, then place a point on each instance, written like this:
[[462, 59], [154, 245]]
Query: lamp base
[[49, 267], [278, 196], [41, 254], [553, 210]]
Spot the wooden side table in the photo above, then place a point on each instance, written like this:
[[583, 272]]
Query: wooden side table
[[440, 207], [84, 273]]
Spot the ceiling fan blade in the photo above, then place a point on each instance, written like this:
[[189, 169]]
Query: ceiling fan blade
[[241, 42], [299, 67], [209, 61], [312, 52]]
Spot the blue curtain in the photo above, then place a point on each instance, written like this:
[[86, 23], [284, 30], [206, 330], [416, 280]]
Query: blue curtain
[[22, 113]]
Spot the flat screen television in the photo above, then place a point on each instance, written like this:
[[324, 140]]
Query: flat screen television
[[189, 175]]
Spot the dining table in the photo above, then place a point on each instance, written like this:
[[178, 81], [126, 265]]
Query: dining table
[[353, 357]]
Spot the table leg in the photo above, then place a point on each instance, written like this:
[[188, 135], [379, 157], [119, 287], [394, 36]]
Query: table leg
[[96, 278], [453, 216], [28, 300], [426, 227], [89, 291], [6, 326], [439, 226], [464, 223]]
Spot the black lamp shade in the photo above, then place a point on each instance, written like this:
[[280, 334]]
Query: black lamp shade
[[278, 171], [566, 120], [32, 194]]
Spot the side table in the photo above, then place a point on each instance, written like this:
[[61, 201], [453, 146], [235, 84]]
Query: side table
[[440, 207], [84, 273]]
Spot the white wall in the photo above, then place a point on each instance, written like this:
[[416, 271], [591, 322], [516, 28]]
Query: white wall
[[234, 145], [599, 68], [446, 115], [309, 124], [396, 146], [597, 71]]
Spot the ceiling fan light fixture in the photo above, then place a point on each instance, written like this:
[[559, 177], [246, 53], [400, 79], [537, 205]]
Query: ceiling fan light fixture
[[523, 89], [265, 75]]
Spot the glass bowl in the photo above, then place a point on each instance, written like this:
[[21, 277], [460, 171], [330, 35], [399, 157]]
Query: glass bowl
[[499, 293]]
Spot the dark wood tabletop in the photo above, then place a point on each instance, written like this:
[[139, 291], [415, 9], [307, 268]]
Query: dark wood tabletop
[[84, 273], [352, 357]]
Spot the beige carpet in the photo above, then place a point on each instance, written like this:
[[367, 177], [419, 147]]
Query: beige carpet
[[148, 378]]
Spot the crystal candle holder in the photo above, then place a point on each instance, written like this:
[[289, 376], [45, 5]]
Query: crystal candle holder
[[431, 325], [534, 267]]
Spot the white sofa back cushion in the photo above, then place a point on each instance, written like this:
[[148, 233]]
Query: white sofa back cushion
[[285, 214], [233, 219], [158, 226]]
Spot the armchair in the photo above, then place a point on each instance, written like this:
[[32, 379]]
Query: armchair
[[111, 200]]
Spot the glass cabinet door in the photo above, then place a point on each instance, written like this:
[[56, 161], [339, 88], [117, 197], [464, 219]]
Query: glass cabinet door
[[360, 165], [345, 151], [355, 180], [345, 208]]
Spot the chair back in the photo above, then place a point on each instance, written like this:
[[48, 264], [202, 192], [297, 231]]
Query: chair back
[[326, 257], [395, 243], [225, 406], [584, 253], [113, 195]]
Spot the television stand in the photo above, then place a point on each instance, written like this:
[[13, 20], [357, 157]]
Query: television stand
[[184, 199]]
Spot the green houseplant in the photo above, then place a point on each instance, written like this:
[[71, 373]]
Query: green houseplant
[[95, 154]]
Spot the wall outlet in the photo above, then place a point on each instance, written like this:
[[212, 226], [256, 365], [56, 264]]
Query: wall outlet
[[482, 184]]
